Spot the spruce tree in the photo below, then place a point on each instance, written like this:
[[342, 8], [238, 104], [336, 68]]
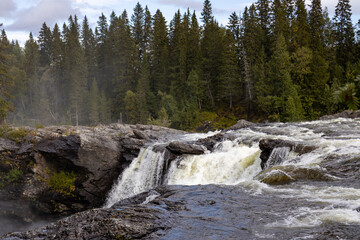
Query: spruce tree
[[143, 91], [229, 76], [89, 45], [137, 27], [76, 77], [286, 100], [6, 80], [44, 41], [206, 14], [300, 26], [344, 33], [159, 54]]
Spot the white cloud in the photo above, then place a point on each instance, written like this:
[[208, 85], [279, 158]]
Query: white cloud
[[49, 11], [7, 7], [182, 3]]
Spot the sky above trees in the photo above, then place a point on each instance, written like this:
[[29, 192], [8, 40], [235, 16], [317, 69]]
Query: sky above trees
[[23, 16]]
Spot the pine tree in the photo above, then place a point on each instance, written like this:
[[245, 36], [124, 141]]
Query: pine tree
[[301, 28], [229, 76], [177, 56], [143, 91], [89, 45], [94, 104], [103, 53], [32, 62], [45, 45], [206, 14], [137, 27], [131, 107], [285, 95], [281, 18], [315, 97], [5, 79], [147, 30], [76, 77], [344, 33], [264, 10], [159, 54]]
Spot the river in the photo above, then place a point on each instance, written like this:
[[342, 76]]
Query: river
[[227, 195]]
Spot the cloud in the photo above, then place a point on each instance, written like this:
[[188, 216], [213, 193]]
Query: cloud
[[7, 7], [183, 3], [49, 11]]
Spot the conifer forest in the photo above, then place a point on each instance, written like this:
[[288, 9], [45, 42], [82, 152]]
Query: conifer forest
[[276, 60]]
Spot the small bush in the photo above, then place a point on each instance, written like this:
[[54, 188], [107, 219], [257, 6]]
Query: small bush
[[16, 135], [63, 182], [14, 175]]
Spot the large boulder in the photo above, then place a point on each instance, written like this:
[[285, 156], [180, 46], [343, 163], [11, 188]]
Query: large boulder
[[240, 124], [185, 148], [282, 147]]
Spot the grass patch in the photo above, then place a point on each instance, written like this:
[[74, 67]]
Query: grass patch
[[63, 182], [14, 134], [14, 175]]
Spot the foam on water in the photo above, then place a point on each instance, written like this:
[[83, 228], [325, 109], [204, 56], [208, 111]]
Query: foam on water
[[227, 165]]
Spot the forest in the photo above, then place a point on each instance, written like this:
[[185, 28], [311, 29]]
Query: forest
[[276, 60]]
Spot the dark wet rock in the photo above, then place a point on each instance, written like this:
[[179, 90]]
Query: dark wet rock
[[344, 114], [205, 127], [279, 175], [357, 209], [267, 146], [240, 124], [185, 148], [210, 142], [137, 222]]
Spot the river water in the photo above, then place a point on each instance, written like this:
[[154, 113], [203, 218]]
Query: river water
[[227, 195]]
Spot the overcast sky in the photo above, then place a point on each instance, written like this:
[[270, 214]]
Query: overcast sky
[[23, 16]]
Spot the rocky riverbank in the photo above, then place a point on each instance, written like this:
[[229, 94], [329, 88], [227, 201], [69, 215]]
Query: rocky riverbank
[[62, 170]]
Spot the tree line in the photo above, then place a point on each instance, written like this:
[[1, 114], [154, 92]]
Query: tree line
[[278, 60]]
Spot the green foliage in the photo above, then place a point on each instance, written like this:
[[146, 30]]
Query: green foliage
[[279, 61], [14, 175], [162, 120], [347, 95], [217, 121], [63, 182]]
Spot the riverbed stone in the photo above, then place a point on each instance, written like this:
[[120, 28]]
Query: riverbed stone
[[185, 148]]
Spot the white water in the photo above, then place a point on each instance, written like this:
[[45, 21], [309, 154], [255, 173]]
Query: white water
[[229, 164], [233, 163], [144, 173]]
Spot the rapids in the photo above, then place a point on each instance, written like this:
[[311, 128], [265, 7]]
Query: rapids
[[318, 192]]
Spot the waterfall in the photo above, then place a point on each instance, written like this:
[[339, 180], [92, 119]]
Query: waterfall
[[229, 164], [237, 162], [144, 173]]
